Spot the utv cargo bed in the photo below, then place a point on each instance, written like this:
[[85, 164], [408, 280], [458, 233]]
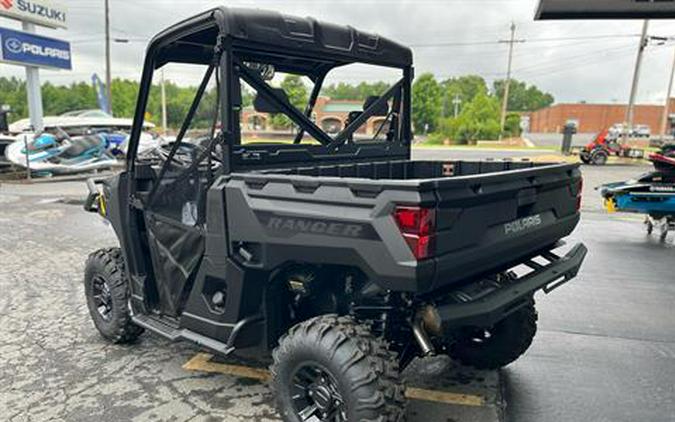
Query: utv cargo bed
[[487, 216]]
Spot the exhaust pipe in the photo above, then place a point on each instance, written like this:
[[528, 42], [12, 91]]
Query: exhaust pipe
[[426, 319]]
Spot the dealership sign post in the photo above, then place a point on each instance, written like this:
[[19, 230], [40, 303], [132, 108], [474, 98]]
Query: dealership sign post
[[34, 51]]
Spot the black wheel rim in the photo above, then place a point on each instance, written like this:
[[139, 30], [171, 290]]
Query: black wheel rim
[[102, 298], [315, 395], [479, 337]]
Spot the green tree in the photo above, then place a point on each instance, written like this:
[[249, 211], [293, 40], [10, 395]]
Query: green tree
[[124, 95], [479, 120], [426, 103], [297, 95], [463, 88], [523, 97], [13, 94], [345, 91], [512, 125]]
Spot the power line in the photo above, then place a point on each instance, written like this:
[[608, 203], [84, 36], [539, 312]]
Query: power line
[[529, 40]]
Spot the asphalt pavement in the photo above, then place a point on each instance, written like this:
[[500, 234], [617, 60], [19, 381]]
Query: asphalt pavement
[[605, 350]]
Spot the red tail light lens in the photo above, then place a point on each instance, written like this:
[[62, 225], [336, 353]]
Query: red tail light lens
[[417, 227], [580, 189]]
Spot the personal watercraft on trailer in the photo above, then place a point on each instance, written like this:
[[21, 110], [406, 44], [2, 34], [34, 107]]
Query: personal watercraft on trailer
[[652, 194], [49, 154], [60, 153]]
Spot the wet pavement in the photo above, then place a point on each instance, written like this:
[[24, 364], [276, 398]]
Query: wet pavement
[[605, 350]]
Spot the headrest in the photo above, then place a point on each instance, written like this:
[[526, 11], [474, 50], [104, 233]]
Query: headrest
[[262, 104], [381, 111]]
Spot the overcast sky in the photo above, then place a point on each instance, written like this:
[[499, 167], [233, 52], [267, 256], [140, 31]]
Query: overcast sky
[[574, 60]]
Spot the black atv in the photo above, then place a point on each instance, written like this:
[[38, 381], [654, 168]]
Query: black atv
[[335, 252]]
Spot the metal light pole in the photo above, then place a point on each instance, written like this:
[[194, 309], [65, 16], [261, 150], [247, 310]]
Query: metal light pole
[[456, 102], [34, 92], [108, 77], [666, 109], [630, 113], [33, 89], [164, 118], [507, 85]]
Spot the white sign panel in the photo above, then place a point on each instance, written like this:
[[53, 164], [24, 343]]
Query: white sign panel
[[41, 12]]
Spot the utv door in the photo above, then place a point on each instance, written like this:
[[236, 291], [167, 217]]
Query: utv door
[[174, 208]]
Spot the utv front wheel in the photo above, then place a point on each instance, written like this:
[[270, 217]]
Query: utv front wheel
[[107, 292], [499, 345], [332, 368]]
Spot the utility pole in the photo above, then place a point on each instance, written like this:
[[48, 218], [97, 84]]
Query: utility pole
[[163, 104], [666, 109], [630, 113], [456, 102], [108, 77], [507, 85]]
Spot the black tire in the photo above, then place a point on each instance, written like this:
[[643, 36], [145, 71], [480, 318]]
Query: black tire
[[599, 158], [357, 368], [107, 291], [508, 340]]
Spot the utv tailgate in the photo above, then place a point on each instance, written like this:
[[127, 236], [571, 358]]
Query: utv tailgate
[[490, 221]]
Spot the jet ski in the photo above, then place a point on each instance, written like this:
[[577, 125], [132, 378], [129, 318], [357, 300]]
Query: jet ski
[[652, 194], [49, 154], [60, 153]]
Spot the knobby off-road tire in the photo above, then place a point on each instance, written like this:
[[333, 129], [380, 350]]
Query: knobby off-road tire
[[107, 291], [357, 368], [507, 341]]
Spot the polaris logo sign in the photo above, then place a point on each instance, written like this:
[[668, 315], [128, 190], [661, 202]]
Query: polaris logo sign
[[41, 12], [33, 50], [523, 224]]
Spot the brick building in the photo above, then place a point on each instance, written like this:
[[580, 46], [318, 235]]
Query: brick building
[[329, 115], [591, 118]]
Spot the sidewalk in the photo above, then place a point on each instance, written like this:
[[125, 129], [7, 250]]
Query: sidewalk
[[69, 190]]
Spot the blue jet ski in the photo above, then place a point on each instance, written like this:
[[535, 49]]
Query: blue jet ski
[[652, 194], [49, 154]]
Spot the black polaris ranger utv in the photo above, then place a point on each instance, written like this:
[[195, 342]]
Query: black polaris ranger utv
[[334, 251]]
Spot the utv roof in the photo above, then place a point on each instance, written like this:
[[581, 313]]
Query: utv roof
[[192, 40]]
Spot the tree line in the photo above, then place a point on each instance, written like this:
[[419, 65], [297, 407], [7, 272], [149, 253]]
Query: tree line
[[461, 109], [464, 109]]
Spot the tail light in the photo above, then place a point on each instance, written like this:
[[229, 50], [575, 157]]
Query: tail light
[[577, 189], [417, 227]]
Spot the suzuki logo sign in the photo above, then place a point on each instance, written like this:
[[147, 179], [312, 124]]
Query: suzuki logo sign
[[41, 12]]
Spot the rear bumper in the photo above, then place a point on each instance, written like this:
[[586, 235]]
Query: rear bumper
[[486, 302]]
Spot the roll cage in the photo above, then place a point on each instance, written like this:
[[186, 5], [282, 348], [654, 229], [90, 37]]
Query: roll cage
[[227, 39]]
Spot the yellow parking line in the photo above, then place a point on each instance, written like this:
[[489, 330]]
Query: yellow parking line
[[202, 362], [444, 397]]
